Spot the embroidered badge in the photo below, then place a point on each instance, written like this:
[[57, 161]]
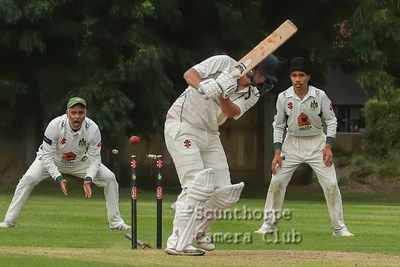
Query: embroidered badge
[[303, 121], [290, 105], [187, 143], [82, 142], [314, 105]]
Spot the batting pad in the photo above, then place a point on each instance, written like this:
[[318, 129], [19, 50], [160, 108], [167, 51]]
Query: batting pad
[[225, 197], [199, 191], [202, 186]]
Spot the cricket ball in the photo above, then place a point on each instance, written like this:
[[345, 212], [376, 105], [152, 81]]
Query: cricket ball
[[134, 139]]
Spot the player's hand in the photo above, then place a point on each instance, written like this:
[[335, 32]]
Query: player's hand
[[87, 187], [327, 155], [63, 184], [228, 82], [209, 88], [276, 162]]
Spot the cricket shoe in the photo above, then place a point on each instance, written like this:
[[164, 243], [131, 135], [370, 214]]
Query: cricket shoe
[[204, 242], [121, 227], [266, 229], [6, 225], [342, 232], [188, 251]]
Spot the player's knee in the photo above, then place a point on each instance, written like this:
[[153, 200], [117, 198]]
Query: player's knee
[[331, 186], [276, 185], [110, 179], [28, 180]]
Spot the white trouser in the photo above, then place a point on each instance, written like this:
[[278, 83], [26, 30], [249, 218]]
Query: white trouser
[[36, 173], [192, 151], [297, 150]]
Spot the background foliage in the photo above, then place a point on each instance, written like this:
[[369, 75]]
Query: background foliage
[[127, 57]]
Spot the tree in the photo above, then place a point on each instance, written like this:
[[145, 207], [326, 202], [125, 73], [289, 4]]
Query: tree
[[369, 42]]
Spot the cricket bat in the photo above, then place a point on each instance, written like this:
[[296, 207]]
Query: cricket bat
[[267, 46]]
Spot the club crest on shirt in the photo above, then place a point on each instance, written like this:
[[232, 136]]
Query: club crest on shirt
[[187, 143], [290, 105], [82, 142], [303, 121], [314, 105]]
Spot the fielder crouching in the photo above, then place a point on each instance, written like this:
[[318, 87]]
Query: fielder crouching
[[71, 145], [215, 93]]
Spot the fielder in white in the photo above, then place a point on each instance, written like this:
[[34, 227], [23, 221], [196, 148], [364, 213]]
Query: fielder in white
[[215, 93], [71, 145], [301, 111]]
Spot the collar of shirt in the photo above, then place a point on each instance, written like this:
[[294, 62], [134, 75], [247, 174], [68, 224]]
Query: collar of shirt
[[311, 93], [244, 90], [72, 131]]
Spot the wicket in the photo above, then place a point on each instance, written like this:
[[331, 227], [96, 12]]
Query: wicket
[[159, 196], [133, 203]]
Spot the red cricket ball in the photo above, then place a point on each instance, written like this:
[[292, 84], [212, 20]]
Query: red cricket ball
[[134, 139]]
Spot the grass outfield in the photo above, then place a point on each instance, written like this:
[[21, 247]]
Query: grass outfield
[[58, 231]]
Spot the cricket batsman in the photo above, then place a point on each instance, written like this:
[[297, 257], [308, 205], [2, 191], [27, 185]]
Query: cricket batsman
[[71, 145], [302, 110], [215, 93]]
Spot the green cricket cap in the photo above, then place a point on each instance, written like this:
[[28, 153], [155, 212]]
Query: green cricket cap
[[76, 100]]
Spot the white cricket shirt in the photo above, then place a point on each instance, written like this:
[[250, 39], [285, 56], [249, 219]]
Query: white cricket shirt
[[303, 117], [192, 107], [64, 147]]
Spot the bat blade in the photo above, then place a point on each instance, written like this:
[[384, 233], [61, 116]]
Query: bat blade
[[267, 46]]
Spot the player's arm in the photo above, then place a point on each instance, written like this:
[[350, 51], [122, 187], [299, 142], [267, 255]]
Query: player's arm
[[229, 108], [48, 149], [244, 103], [205, 69], [94, 158], [279, 125], [329, 117], [192, 78], [202, 76]]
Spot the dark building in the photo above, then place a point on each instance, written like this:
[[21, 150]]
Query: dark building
[[348, 99]]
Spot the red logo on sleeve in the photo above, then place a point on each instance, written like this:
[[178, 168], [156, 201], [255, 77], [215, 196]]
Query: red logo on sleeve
[[187, 143]]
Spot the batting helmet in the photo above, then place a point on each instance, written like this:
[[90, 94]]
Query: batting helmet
[[269, 67]]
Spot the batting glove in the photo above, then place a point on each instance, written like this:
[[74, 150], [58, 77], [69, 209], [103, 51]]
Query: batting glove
[[228, 83], [209, 88]]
